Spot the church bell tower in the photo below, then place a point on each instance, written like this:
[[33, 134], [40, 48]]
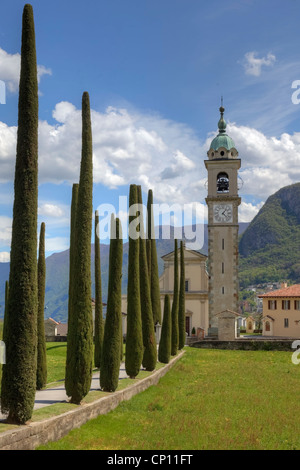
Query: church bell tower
[[223, 229]]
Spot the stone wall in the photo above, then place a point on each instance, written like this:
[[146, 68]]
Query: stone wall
[[247, 344], [56, 339]]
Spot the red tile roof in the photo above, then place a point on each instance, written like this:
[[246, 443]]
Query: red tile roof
[[51, 319], [292, 291]]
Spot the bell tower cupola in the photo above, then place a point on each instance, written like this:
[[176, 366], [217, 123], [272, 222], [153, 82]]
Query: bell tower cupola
[[222, 145]]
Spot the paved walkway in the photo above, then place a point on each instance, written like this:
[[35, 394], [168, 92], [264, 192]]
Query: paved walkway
[[57, 394]]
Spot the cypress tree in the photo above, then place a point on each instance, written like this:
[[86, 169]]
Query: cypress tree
[[72, 251], [134, 338], [148, 250], [181, 307], [70, 356], [174, 313], [41, 372], [99, 324], [149, 228], [110, 362], [19, 372], [80, 338], [164, 349], [150, 349], [153, 267]]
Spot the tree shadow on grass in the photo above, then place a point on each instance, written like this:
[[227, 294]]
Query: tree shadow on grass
[[58, 346]]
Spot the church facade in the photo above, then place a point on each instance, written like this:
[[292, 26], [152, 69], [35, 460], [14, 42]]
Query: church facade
[[196, 289]]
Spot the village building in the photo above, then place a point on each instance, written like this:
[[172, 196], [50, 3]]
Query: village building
[[250, 324], [54, 328], [281, 312]]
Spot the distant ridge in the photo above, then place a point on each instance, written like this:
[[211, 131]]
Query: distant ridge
[[57, 273], [270, 246]]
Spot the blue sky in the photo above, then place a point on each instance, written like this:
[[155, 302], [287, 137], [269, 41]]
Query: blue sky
[[155, 72]]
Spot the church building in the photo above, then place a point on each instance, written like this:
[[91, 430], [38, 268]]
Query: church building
[[196, 289]]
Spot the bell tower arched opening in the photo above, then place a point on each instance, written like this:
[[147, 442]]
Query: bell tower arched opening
[[222, 183]]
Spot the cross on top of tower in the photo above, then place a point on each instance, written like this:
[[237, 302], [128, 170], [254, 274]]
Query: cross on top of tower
[[222, 123]]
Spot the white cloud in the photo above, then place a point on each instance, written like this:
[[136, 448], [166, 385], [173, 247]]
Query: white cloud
[[253, 65], [5, 230], [42, 70], [166, 156], [247, 211], [51, 210], [127, 148], [181, 164], [56, 244], [10, 70], [267, 163], [8, 138], [4, 257]]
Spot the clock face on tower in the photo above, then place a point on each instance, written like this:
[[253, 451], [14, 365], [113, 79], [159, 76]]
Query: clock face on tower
[[222, 213]]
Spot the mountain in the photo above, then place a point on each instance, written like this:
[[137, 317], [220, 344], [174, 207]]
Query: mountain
[[270, 247], [57, 273]]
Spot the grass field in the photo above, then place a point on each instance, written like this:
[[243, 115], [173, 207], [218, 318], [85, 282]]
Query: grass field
[[56, 361], [211, 399]]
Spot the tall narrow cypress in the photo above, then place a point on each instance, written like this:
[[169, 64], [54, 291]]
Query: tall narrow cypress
[[181, 307], [164, 349], [150, 349], [148, 251], [19, 372], [134, 338], [41, 371], [69, 358], [99, 324], [110, 362], [153, 268], [174, 313], [80, 338]]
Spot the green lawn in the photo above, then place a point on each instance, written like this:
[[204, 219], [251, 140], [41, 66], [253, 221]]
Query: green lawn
[[56, 361], [211, 399]]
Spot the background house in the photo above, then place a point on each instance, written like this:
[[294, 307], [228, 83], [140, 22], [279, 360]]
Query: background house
[[250, 324], [281, 312], [54, 328]]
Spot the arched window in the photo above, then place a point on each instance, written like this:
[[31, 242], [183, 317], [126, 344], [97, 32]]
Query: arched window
[[222, 183]]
